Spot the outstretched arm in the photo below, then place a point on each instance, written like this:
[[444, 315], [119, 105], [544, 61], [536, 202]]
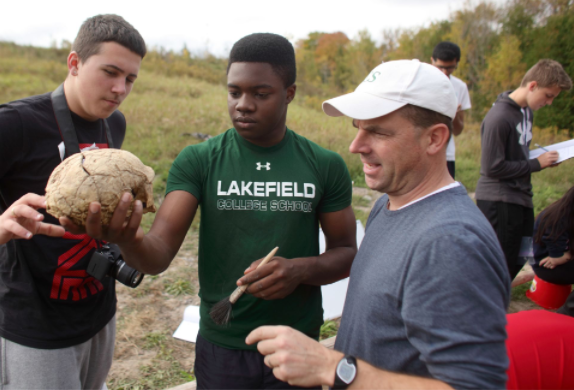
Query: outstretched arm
[[149, 253], [302, 361], [22, 220], [155, 252], [281, 276]]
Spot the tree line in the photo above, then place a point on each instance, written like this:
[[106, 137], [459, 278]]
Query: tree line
[[498, 44]]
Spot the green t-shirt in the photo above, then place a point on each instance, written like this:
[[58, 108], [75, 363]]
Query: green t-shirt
[[253, 199]]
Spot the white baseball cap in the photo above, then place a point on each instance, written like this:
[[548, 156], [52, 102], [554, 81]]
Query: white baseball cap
[[393, 85]]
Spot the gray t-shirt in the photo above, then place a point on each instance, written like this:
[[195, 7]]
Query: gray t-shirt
[[428, 293]]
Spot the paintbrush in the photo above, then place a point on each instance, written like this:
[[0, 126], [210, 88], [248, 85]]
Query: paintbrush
[[221, 311]]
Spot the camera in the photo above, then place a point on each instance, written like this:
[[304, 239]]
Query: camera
[[107, 261]]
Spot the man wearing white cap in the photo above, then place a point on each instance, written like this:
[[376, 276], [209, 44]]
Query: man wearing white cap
[[427, 296]]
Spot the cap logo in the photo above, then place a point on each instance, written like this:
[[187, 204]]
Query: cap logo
[[372, 77], [393, 85]]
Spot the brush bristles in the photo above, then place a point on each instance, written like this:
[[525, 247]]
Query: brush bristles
[[221, 312]]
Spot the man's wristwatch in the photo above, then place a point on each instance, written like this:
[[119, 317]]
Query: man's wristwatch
[[345, 373]]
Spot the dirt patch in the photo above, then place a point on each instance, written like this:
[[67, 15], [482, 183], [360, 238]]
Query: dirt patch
[[521, 305], [146, 355]]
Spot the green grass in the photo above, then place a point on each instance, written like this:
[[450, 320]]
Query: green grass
[[362, 201], [163, 372], [328, 329], [154, 339], [163, 109], [166, 104], [178, 287], [361, 207], [361, 215], [518, 292]]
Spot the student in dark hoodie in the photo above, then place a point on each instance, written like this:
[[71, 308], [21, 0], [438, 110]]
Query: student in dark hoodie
[[504, 191]]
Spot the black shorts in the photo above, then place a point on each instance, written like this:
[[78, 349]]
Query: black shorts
[[221, 368]]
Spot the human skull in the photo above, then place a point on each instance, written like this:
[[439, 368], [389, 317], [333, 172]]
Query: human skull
[[101, 175]]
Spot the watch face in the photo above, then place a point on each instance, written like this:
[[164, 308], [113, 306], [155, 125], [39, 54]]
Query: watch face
[[346, 371]]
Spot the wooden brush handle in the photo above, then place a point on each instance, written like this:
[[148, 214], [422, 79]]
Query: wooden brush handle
[[241, 289]]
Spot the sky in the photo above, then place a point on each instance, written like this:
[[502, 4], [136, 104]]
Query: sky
[[214, 25]]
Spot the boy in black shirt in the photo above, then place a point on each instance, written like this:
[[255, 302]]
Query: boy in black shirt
[[57, 323]]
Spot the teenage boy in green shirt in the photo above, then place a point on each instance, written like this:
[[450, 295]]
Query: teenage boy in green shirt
[[259, 185]]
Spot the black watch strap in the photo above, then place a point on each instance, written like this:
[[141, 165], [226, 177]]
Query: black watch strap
[[345, 373]]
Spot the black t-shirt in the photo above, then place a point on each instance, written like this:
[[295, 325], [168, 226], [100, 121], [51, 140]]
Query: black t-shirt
[[47, 300]]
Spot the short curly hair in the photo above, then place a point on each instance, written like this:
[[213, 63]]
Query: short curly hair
[[269, 48]]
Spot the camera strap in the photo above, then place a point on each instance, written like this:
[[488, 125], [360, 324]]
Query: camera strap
[[67, 129], [66, 125]]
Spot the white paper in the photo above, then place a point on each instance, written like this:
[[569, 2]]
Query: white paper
[[565, 150], [333, 298], [189, 327], [334, 294]]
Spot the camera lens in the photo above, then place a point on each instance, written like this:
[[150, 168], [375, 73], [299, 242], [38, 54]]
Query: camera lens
[[127, 275]]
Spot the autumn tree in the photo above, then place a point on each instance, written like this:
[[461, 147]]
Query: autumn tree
[[420, 43], [554, 41], [504, 71], [498, 44]]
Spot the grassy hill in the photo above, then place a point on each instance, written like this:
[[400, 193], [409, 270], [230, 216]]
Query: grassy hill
[[164, 107]]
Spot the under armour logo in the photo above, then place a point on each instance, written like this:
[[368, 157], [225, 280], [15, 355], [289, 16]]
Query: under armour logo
[[266, 166], [525, 133]]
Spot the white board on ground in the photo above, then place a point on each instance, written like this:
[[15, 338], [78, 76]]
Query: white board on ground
[[333, 298]]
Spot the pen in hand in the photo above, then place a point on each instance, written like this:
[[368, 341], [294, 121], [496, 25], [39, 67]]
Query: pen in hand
[[546, 150]]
